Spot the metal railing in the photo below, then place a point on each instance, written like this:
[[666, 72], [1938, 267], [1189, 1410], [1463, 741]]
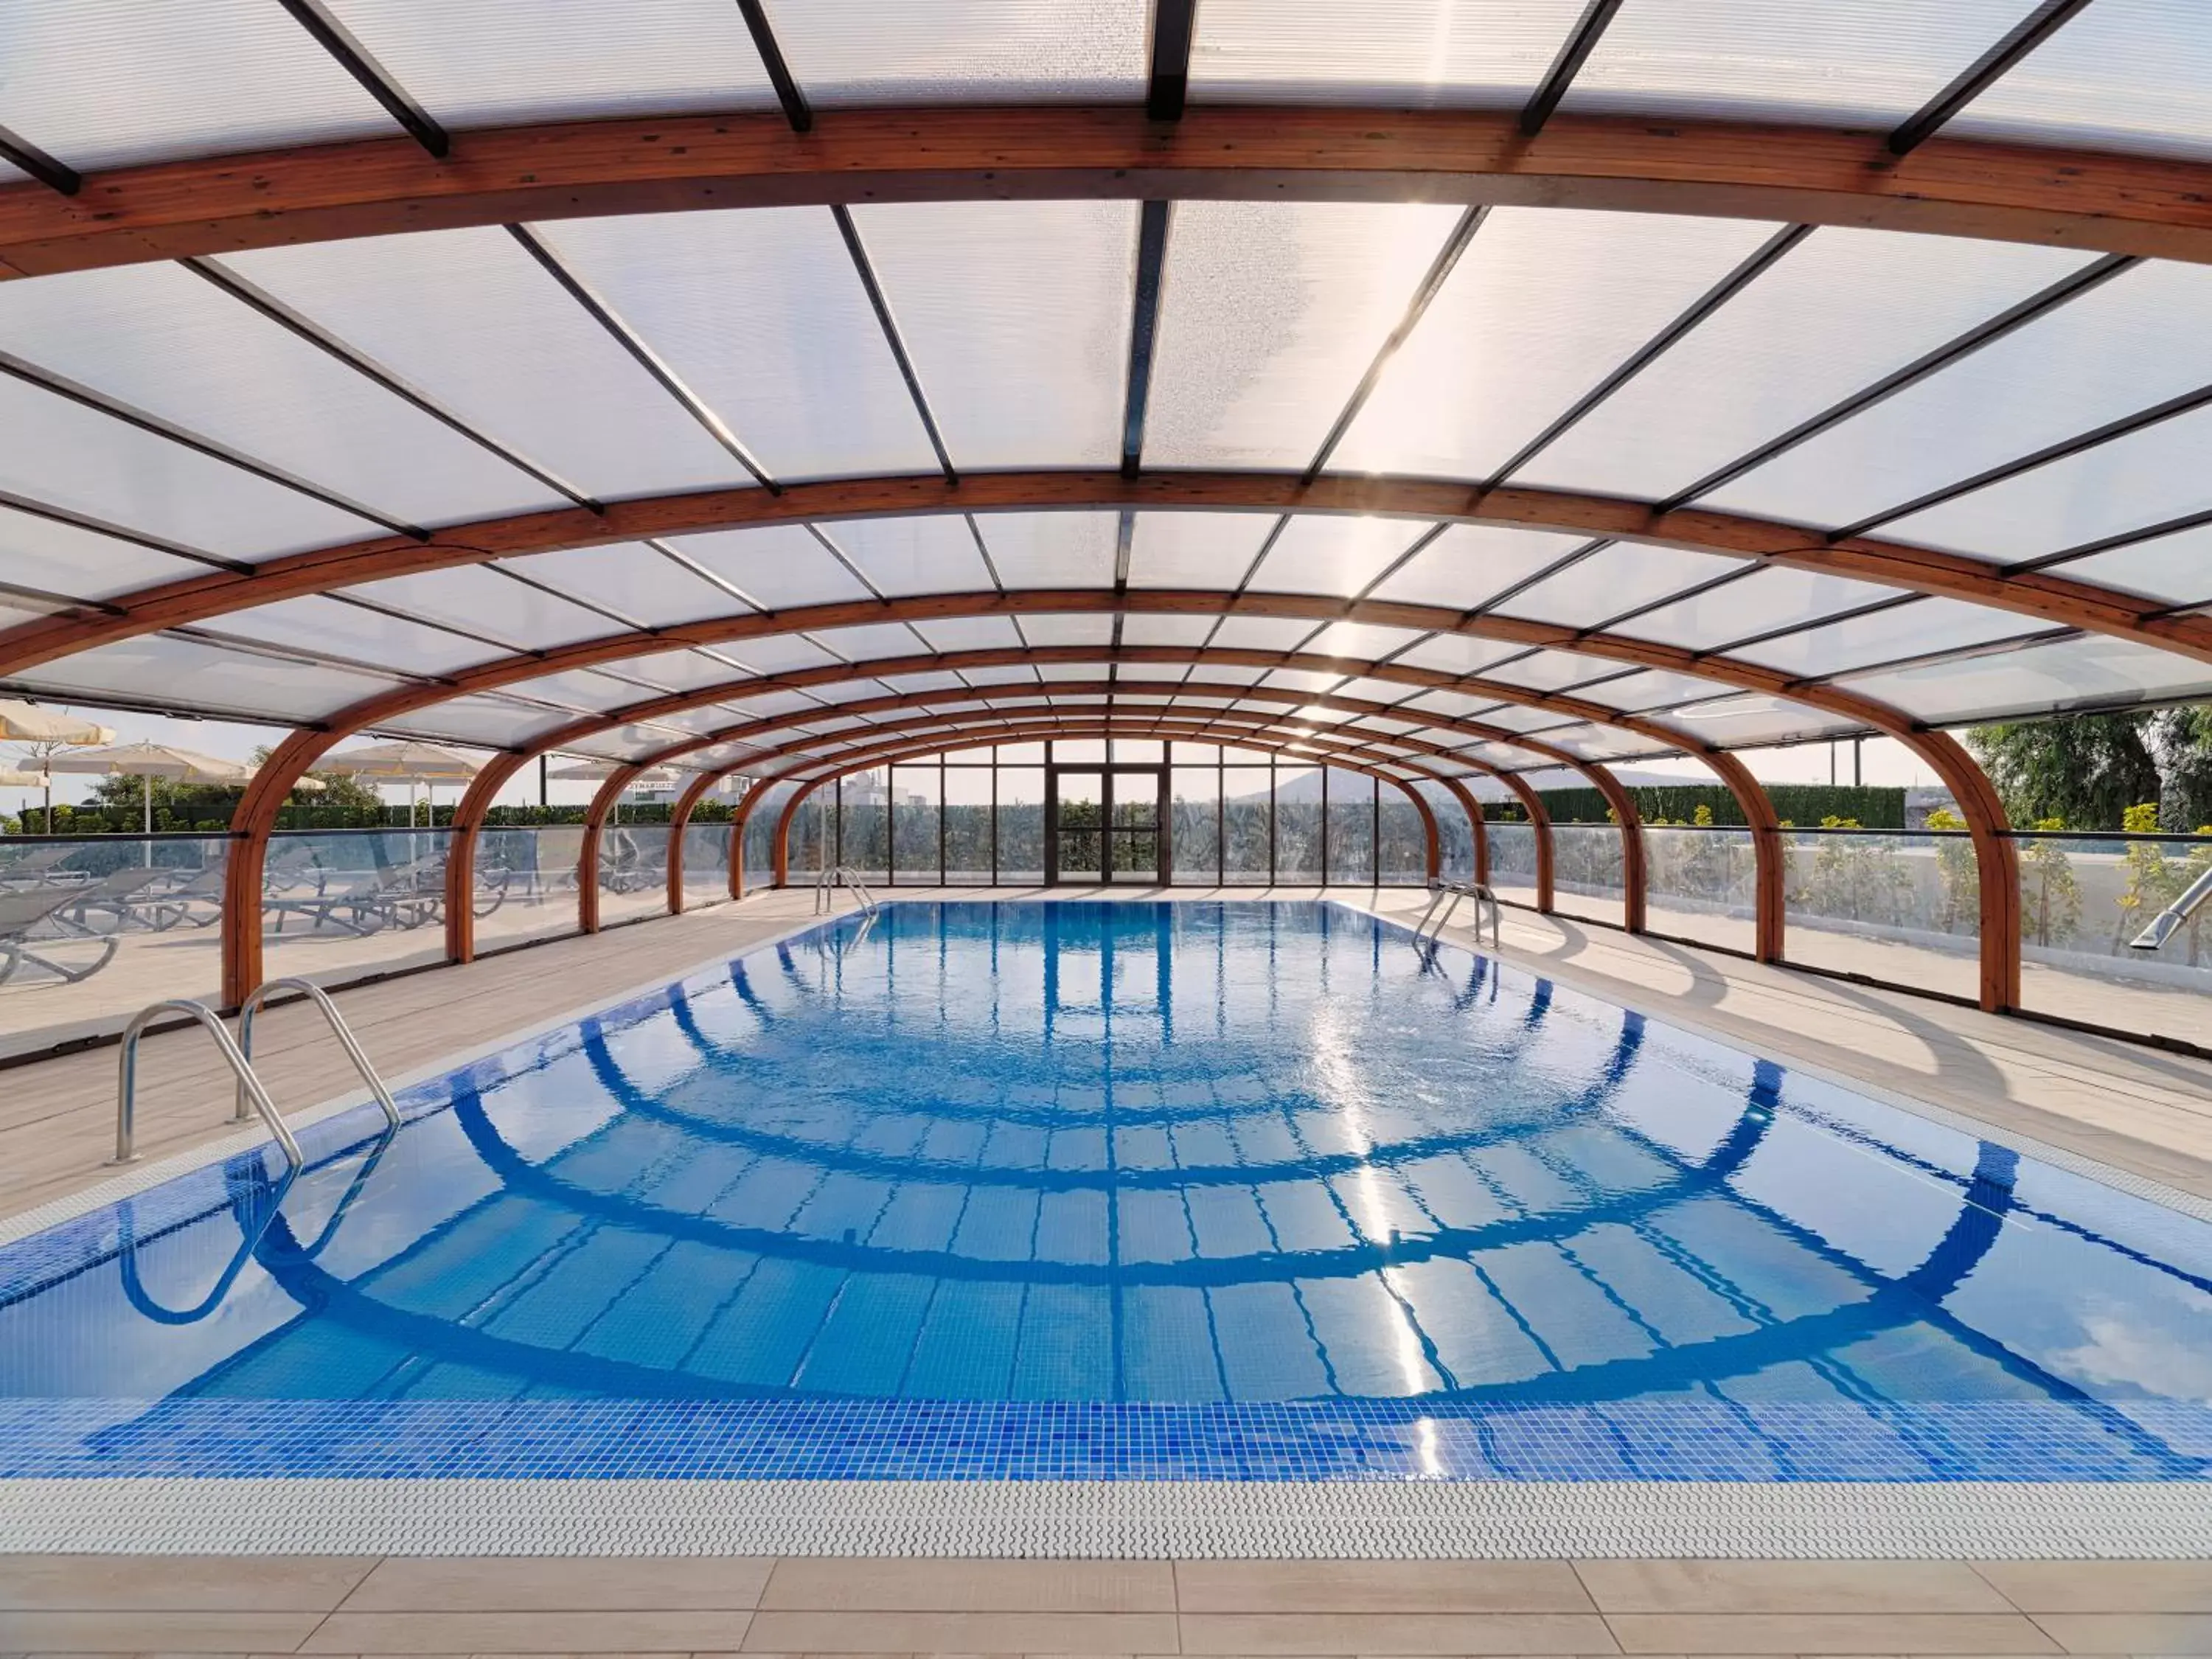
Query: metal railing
[[2167, 922], [841, 875], [339, 1029], [1445, 898], [249, 1085]]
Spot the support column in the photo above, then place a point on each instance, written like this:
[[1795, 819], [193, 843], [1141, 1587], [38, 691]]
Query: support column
[[588, 857], [1996, 861], [461, 854], [1768, 898], [247, 859], [679, 815]]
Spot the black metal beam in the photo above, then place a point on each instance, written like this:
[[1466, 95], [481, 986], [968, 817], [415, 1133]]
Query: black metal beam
[[2112, 544], [1143, 329], [796, 109], [854, 246], [646, 357], [2061, 292], [1573, 53], [26, 156], [136, 538], [1174, 22], [356, 60], [1762, 259], [1440, 269], [2030, 32], [292, 322]]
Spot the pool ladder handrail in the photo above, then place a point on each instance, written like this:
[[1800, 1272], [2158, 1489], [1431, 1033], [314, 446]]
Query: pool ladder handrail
[[339, 1029], [1448, 895], [841, 875]]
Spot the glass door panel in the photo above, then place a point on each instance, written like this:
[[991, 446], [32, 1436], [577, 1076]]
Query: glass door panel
[[1135, 830], [1078, 853]]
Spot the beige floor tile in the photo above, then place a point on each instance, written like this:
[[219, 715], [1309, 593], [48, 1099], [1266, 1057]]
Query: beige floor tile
[[784, 1631], [548, 1584], [140, 1631], [1379, 1587], [542, 1633], [971, 1586], [1406, 1633], [2130, 1632], [1827, 1633], [211, 1584], [1788, 1587], [2103, 1586]]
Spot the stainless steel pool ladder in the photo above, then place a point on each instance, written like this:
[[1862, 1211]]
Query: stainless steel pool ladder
[[2167, 922], [841, 875], [1445, 898]]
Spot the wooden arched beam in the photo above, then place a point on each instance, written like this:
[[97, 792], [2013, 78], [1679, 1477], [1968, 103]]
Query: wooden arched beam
[[2043, 596], [2156, 206], [679, 819]]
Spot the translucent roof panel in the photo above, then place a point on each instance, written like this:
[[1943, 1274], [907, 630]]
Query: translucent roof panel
[[495, 720], [1890, 635], [1541, 308], [762, 315], [1747, 720], [1654, 688], [1052, 549], [2176, 569], [2123, 74], [1459, 653], [2137, 340], [1196, 550], [61, 454], [78, 563], [1016, 315], [1339, 556], [681, 670], [1551, 671], [1758, 603], [479, 599], [778, 653], [161, 669], [1620, 578], [1358, 641], [933, 555], [109, 83], [470, 319], [1258, 634], [332, 627], [1470, 563], [2149, 477], [857, 51], [2071, 674], [1837, 313], [970, 634], [1396, 52], [630, 580], [1516, 717], [580, 689], [776, 567], [1143, 629], [1865, 62], [874, 640], [502, 63], [1068, 630], [1270, 313], [157, 338]]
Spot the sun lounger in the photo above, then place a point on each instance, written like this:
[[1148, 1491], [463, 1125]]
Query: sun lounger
[[26, 910]]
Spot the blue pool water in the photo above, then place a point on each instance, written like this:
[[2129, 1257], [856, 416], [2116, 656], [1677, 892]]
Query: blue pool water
[[1249, 1191]]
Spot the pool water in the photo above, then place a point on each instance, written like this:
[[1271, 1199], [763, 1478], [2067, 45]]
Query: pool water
[[1247, 1190]]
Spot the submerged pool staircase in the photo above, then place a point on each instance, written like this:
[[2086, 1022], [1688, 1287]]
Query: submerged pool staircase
[[253, 1094]]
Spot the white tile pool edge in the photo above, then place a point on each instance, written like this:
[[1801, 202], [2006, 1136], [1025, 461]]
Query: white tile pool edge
[[1138, 1520]]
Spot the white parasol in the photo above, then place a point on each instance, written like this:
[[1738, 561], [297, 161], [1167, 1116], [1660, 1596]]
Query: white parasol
[[150, 761]]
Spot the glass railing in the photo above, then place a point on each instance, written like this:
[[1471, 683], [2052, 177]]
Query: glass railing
[[1701, 884], [343, 904], [1513, 862], [1586, 872], [526, 884], [633, 871], [1901, 907], [706, 865]]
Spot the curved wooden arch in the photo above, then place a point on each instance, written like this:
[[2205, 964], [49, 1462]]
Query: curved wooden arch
[[2117, 202], [2047, 596]]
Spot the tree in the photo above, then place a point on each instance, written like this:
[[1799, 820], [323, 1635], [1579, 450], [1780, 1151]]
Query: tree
[[2051, 897], [1961, 870], [2087, 769]]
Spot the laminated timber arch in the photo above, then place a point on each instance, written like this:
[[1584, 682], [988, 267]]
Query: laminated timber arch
[[2043, 596], [2109, 201]]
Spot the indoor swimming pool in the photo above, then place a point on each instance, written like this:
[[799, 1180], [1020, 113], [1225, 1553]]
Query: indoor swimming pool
[[1120, 1190]]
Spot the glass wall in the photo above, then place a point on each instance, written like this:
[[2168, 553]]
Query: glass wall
[[344, 903], [1899, 906], [706, 864], [1298, 825], [916, 817], [1586, 876], [1349, 829], [1513, 861], [2084, 899], [1020, 816], [1404, 849], [810, 828], [633, 871], [526, 884], [863, 826], [1248, 818], [1194, 819], [1702, 884]]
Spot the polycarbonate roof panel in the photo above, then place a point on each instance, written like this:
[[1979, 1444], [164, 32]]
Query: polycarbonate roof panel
[[1052, 549], [1196, 550], [1300, 679], [2122, 75], [902, 556], [1069, 629], [161, 668], [970, 634], [1397, 53], [479, 599], [580, 689], [1141, 629], [1891, 635], [1853, 62], [1360, 642], [1270, 313], [1836, 313], [1654, 688], [61, 454], [76, 563], [1471, 562], [108, 83], [861, 644], [1515, 718], [767, 706], [762, 315], [161, 340], [682, 671], [1543, 305], [1319, 553], [492, 720], [1756, 604], [630, 580], [2176, 569], [503, 62], [1625, 576], [1451, 705], [1549, 670], [778, 565], [2150, 478], [1603, 743], [469, 318], [2071, 674], [1022, 52], [1259, 634], [2135, 340], [1016, 315], [1753, 719], [778, 654], [1459, 653], [333, 628]]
